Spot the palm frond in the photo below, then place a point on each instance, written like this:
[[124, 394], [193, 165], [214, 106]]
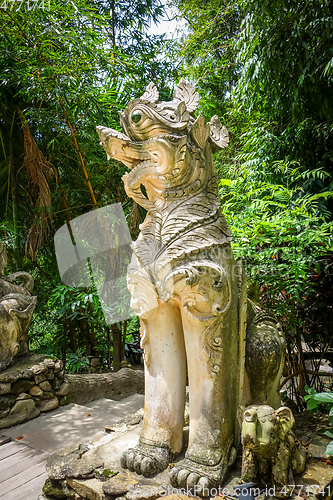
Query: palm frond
[[38, 171]]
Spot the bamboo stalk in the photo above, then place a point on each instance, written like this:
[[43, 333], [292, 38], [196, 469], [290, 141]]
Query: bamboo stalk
[[79, 154], [14, 189]]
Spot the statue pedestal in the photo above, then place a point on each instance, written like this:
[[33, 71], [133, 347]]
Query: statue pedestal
[[93, 470]]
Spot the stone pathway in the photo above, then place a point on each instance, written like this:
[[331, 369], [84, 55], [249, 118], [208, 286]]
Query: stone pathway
[[22, 462]]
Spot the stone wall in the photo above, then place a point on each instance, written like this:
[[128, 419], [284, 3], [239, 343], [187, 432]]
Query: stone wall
[[86, 388], [33, 384]]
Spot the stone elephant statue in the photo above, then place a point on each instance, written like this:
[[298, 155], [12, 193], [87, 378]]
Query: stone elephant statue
[[270, 448]]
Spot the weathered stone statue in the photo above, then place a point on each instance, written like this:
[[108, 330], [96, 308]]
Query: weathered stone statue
[[270, 448], [189, 293], [16, 309]]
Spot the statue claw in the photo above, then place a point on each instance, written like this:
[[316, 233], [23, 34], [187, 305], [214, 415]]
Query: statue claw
[[145, 460], [199, 479]]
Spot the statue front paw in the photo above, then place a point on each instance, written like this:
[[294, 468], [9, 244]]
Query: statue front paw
[[197, 478], [145, 460]]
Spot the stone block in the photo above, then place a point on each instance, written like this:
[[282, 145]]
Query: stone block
[[60, 375], [317, 447], [145, 492], [57, 366], [40, 378], [65, 464], [56, 383], [5, 388], [92, 489], [12, 374], [58, 489], [22, 385], [7, 401], [4, 413], [38, 401], [119, 484], [21, 411], [112, 385], [41, 368], [27, 373], [23, 396], [49, 363], [36, 391], [64, 400], [8, 377], [318, 476], [50, 375], [49, 404], [63, 390], [98, 436], [45, 386], [47, 395]]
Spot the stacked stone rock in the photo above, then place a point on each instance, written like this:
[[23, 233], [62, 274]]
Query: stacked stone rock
[[95, 365], [27, 392]]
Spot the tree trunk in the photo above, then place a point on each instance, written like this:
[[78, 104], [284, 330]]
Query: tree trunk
[[123, 341], [109, 347], [72, 336], [304, 377], [64, 341], [116, 334], [86, 335]]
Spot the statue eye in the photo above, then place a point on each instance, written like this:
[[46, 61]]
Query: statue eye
[[136, 116]]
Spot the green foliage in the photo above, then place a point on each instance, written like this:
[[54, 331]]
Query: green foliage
[[277, 229], [266, 67], [67, 70], [285, 51], [64, 71], [74, 302], [276, 184], [76, 361], [207, 50], [314, 401]]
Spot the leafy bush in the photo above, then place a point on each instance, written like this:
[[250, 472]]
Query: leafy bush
[[77, 361], [314, 400], [278, 232]]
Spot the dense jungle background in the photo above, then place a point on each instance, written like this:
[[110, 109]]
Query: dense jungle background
[[265, 68]]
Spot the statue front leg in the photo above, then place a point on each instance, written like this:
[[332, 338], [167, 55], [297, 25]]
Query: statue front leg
[[209, 316], [165, 380]]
